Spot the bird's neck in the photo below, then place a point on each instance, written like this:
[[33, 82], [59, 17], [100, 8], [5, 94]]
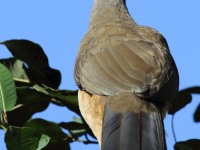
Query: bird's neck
[[109, 11]]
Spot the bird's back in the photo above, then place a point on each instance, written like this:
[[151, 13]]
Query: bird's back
[[119, 58]]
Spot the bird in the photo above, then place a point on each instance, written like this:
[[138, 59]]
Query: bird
[[126, 77]]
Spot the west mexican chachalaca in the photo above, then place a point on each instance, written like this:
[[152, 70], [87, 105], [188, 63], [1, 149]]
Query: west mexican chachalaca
[[126, 77]]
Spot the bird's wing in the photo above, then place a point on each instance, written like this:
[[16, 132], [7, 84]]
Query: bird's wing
[[123, 59]]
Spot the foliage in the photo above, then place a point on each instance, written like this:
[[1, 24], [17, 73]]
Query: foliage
[[7, 90], [184, 98], [28, 85], [36, 85]]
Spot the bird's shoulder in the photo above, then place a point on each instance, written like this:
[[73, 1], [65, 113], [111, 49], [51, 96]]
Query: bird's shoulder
[[117, 33]]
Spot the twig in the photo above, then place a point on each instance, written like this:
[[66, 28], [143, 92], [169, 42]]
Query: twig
[[87, 141], [74, 138], [173, 130]]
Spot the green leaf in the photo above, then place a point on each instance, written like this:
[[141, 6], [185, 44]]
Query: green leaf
[[43, 142], [197, 114], [48, 128], [66, 98], [77, 129], [7, 90], [193, 144], [29, 95], [87, 128], [21, 139], [17, 68], [78, 120], [32, 54], [59, 140], [29, 102], [184, 98]]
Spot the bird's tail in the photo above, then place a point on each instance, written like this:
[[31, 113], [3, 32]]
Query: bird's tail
[[132, 124]]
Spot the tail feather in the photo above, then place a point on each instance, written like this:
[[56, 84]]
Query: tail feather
[[136, 126]]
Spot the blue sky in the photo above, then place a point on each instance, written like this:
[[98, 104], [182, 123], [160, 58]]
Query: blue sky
[[58, 26]]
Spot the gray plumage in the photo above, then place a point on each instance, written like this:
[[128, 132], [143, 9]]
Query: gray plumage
[[118, 56]]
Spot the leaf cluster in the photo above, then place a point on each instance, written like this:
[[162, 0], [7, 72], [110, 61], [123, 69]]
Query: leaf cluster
[[29, 87]]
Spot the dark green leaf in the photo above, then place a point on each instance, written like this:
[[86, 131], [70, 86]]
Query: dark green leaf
[[193, 144], [197, 114], [184, 98], [88, 129], [8, 95], [59, 140], [29, 102], [57, 146], [48, 128], [28, 95], [17, 68], [77, 129], [21, 139], [33, 55], [72, 126], [68, 99], [62, 97]]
